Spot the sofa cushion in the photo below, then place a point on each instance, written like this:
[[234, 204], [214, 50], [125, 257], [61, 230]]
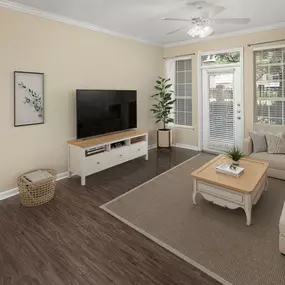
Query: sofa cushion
[[282, 222], [259, 141], [276, 161], [276, 173], [247, 146], [275, 142]]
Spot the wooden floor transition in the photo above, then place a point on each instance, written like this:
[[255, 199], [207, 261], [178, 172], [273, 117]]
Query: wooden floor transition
[[72, 241]]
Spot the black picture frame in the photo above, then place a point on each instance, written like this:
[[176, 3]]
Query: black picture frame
[[16, 98]]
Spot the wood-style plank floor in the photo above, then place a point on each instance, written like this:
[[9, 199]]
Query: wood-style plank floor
[[72, 241]]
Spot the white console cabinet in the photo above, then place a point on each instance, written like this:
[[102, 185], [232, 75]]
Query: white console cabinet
[[86, 157]]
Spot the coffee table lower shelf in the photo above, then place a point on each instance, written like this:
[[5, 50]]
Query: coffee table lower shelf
[[228, 198]]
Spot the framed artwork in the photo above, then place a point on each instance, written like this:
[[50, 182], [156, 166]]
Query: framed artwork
[[28, 98]]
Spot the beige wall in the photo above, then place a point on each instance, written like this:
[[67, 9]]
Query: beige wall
[[71, 58], [74, 58], [190, 137]]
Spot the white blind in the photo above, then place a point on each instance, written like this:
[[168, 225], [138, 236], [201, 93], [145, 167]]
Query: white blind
[[269, 70], [221, 129], [183, 92]]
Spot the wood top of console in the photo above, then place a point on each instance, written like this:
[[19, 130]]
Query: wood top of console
[[106, 138], [254, 171]]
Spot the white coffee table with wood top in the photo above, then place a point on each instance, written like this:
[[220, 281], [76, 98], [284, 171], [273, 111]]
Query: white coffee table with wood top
[[228, 191]]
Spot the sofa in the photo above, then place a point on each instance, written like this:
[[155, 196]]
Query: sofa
[[276, 170], [276, 161], [282, 231]]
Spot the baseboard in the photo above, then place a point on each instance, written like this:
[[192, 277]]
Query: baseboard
[[15, 191], [186, 146], [151, 146], [9, 193], [61, 176]]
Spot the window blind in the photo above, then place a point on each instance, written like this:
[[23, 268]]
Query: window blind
[[183, 92], [269, 72], [221, 134]]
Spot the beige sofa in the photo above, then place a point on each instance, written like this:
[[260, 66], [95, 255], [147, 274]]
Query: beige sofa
[[282, 231], [276, 161]]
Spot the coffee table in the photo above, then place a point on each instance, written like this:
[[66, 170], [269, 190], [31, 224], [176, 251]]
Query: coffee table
[[228, 191]]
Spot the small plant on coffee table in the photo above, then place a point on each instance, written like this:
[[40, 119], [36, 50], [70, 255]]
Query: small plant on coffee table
[[235, 154]]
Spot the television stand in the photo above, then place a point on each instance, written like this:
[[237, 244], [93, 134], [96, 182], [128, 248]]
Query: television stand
[[86, 157]]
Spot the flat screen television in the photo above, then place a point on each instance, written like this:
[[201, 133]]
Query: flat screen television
[[105, 111]]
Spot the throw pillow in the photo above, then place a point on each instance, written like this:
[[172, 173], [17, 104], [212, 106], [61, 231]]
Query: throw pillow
[[276, 142], [259, 142]]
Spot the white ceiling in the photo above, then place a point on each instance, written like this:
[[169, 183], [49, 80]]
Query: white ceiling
[[141, 18]]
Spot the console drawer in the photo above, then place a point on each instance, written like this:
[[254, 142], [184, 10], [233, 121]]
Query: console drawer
[[120, 155], [138, 149], [97, 162]]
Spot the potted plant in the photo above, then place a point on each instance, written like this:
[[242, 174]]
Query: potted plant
[[162, 109], [235, 154]]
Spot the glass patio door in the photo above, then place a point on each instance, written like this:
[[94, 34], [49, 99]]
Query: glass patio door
[[222, 109]]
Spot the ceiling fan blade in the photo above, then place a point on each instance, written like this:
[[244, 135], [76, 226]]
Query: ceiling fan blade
[[177, 30], [215, 10], [235, 21], [176, 19]]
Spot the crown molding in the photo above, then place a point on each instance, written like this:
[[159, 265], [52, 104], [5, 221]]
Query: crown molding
[[51, 16], [228, 35]]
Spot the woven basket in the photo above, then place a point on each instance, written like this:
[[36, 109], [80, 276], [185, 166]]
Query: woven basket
[[36, 193]]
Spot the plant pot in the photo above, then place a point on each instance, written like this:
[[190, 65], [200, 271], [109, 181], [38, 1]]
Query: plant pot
[[164, 138], [235, 163]]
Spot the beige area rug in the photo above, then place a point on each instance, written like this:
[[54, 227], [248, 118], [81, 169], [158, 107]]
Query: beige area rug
[[212, 238]]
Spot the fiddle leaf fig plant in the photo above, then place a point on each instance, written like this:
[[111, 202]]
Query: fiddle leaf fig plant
[[164, 101]]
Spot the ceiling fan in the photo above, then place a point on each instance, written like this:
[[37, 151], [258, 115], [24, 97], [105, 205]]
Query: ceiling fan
[[201, 26]]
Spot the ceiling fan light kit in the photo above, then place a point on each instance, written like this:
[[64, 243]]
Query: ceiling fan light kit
[[200, 31]]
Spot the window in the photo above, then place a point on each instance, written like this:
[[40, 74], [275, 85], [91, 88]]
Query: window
[[183, 92], [221, 58], [269, 91]]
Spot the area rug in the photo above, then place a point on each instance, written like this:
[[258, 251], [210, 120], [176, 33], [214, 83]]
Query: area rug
[[214, 239]]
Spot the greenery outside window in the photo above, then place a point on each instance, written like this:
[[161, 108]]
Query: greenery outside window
[[221, 58], [269, 91]]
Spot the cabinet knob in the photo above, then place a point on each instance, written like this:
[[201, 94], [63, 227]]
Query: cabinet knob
[[121, 155], [98, 162], [139, 149]]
